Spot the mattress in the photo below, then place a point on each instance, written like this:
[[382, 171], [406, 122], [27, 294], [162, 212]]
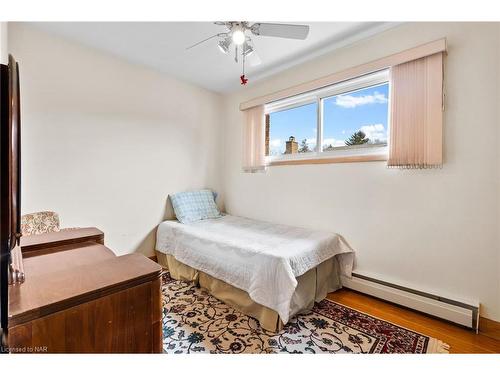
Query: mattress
[[261, 258]]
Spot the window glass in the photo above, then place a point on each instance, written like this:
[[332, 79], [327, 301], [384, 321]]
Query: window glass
[[357, 118], [293, 130]]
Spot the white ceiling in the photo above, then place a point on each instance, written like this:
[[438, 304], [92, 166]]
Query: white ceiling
[[162, 46]]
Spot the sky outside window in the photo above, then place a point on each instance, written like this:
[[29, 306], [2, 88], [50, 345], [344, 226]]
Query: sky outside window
[[363, 110], [299, 122]]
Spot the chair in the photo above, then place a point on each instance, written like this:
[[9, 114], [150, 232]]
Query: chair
[[39, 222]]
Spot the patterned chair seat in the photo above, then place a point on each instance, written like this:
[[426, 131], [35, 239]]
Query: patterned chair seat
[[39, 222]]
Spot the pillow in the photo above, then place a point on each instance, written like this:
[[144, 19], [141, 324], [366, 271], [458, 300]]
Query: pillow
[[190, 206]]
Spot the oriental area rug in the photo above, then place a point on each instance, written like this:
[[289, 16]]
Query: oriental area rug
[[196, 322]]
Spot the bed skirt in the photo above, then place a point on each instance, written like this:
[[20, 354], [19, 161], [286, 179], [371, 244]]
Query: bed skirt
[[312, 286]]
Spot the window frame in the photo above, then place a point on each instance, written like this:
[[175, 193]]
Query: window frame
[[341, 154]]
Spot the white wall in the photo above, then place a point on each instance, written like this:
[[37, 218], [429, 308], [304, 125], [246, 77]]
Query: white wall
[[104, 141], [434, 230], [3, 43]]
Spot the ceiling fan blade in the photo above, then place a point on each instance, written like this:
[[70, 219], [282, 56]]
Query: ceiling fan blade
[[253, 59], [204, 40], [280, 30]]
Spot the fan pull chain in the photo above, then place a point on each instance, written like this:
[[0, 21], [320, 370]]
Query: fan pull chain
[[243, 79]]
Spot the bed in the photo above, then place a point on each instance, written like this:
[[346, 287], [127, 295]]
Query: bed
[[268, 271]]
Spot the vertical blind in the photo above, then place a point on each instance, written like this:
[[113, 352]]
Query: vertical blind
[[254, 159], [417, 113]]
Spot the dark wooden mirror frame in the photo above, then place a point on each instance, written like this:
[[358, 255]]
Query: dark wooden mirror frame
[[10, 183], [15, 162]]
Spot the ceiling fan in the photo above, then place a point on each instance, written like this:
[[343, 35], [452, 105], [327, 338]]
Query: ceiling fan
[[238, 34]]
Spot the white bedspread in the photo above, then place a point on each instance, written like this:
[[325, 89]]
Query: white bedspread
[[260, 258]]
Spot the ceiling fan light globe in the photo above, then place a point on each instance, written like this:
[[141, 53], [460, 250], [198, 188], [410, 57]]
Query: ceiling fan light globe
[[247, 49], [223, 47], [238, 37]]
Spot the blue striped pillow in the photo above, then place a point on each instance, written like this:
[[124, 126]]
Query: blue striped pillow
[[190, 206]]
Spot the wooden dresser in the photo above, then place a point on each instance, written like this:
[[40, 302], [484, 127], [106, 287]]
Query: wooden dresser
[[79, 297]]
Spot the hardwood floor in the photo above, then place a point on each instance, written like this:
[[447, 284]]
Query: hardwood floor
[[461, 340]]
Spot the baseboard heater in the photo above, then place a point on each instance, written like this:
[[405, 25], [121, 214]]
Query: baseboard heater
[[464, 314]]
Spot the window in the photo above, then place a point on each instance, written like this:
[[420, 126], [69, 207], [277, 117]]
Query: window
[[348, 118]]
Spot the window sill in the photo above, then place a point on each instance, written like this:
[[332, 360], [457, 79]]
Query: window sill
[[330, 160]]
